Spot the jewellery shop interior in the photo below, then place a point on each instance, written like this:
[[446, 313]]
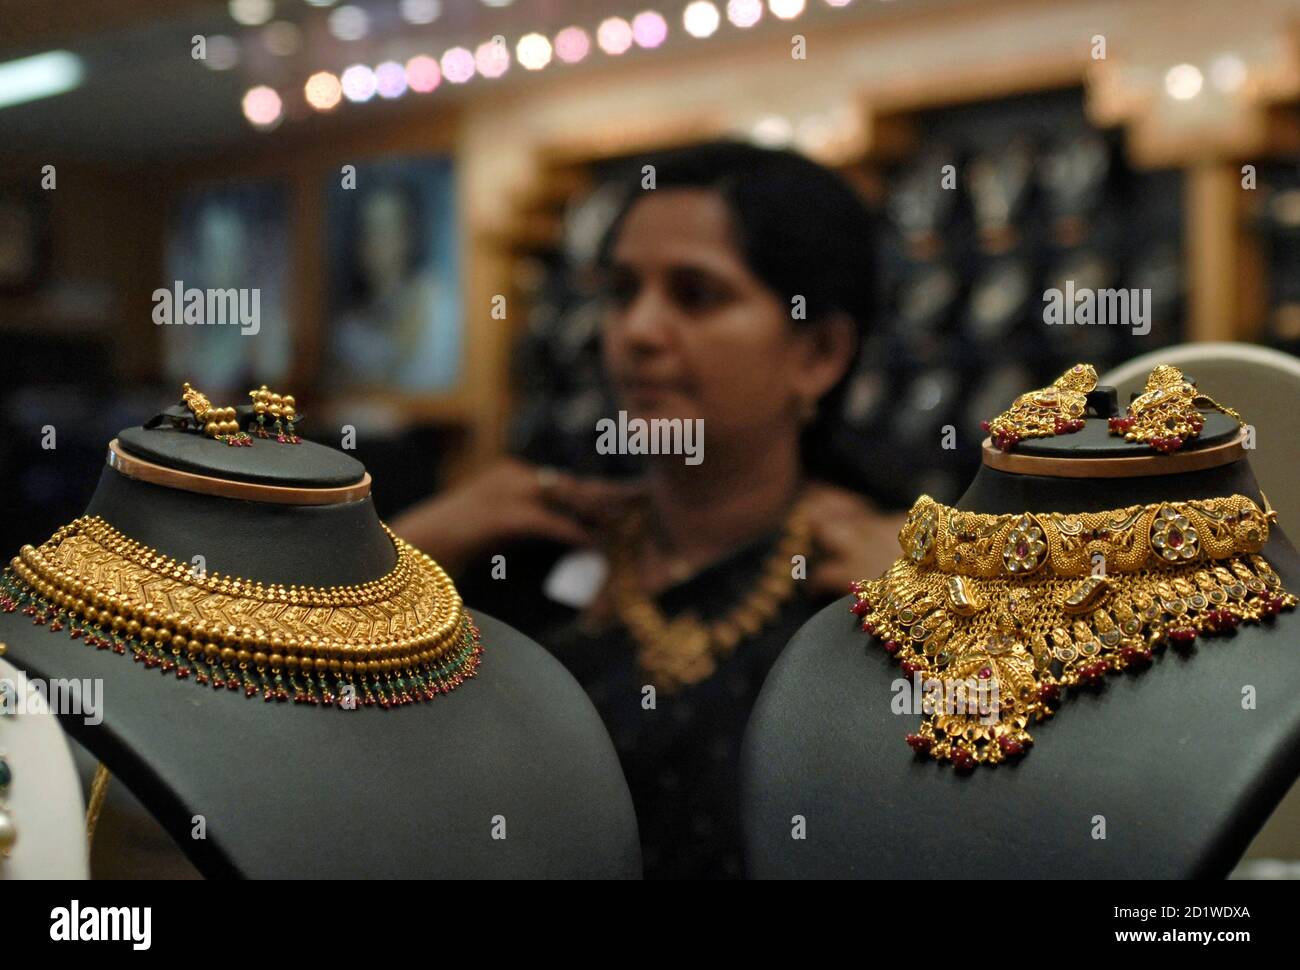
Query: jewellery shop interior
[[680, 439]]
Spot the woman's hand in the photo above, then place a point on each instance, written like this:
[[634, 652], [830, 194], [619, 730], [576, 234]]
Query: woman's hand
[[852, 539], [511, 500]]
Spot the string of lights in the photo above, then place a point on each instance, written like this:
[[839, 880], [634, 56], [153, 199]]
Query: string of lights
[[324, 90]]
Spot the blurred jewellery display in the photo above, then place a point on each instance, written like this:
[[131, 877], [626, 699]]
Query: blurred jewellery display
[[1052, 410], [399, 639], [997, 615], [1167, 414]]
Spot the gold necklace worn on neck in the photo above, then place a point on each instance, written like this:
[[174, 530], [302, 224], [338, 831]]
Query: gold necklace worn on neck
[[996, 616], [402, 638], [683, 650]]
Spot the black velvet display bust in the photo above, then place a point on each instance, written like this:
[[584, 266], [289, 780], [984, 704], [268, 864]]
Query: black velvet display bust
[[296, 791], [1179, 775]]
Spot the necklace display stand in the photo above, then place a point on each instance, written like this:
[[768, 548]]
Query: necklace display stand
[[1164, 774], [511, 775]]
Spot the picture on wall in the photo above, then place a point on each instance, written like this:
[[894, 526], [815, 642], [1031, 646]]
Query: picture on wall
[[395, 307], [227, 277]]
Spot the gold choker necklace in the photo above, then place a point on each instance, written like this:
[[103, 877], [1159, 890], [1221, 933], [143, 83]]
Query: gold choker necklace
[[399, 639], [995, 615]]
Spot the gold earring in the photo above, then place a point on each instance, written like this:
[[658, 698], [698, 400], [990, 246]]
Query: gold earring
[[218, 423], [280, 407], [1052, 410], [1168, 413]]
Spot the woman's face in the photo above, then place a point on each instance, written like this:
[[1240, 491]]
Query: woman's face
[[692, 333]]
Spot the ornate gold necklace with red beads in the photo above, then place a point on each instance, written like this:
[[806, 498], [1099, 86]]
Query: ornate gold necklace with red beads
[[998, 615], [399, 639]]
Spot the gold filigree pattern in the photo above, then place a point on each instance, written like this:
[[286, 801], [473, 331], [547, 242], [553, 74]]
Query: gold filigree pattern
[[1047, 411], [972, 544], [1167, 414], [1005, 612]]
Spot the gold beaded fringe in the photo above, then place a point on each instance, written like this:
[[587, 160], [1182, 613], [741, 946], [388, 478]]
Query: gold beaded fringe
[[396, 640]]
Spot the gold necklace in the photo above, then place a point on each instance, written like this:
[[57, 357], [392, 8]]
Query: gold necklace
[[684, 650], [995, 615], [398, 639]]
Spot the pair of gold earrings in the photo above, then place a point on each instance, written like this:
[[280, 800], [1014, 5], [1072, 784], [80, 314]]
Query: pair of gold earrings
[[281, 408], [222, 423], [1166, 415]]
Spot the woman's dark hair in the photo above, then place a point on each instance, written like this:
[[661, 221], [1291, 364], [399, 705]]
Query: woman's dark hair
[[803, 231]]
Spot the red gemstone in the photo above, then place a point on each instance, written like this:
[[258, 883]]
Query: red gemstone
[[985, 673], [962, 759], [1010, 746], [860, 608], [919, 743], [1022, 549], [1175, 539], [891, 646]]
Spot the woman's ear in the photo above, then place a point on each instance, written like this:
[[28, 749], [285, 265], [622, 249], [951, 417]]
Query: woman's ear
[[827, 348]]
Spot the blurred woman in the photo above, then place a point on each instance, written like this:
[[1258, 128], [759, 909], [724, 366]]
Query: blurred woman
[[738, 289]]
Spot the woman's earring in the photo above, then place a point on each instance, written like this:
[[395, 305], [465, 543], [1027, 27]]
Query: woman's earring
[[218, 423], [1052, 410], [281, 408], [1168, 413]]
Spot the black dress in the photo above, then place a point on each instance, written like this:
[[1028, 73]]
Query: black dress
[[682, 756]]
